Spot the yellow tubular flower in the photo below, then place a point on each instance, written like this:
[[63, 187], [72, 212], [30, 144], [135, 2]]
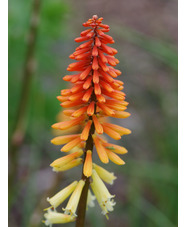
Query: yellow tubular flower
[[102, 194], [73, 143], [115, 158], [100, 150], [58, 198], [69, 165], [59, 140], [117, 128], [104, 174], [86, 130], [99, 199], [53, 217], [115, 148], [74, 199], [60, 162], [90, 199]]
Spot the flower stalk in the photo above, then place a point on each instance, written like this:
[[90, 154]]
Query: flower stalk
[[18, 133], [83, 199]]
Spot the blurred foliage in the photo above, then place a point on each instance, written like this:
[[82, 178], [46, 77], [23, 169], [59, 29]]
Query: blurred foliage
[[51, 30], [146, 188], [163, 51]]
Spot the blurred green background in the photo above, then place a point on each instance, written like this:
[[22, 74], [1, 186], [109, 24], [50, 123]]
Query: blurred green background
[[145, 34]]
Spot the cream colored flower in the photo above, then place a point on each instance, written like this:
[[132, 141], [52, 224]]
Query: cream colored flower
[[102, 194], [90, 199], [104, 174], [58, 198], [74, 199], [53, 217]]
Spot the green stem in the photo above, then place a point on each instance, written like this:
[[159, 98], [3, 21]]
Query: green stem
[[28, 69]]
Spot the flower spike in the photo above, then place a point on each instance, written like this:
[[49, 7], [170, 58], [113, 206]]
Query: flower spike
[[94, 95]]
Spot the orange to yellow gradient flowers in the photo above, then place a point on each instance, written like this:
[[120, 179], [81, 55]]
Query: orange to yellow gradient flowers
[[95, 94]]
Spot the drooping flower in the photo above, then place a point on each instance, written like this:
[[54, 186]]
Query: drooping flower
[[95, 93], [90, 199], [74, 199], [53, 217], [104, 174], [60, 162], [57, 199], [104, 198], [70, 165]]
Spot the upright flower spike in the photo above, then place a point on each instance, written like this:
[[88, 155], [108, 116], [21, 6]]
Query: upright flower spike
[[95, 94]]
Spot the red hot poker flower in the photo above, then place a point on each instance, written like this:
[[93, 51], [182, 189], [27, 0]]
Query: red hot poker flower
[[95, 93]]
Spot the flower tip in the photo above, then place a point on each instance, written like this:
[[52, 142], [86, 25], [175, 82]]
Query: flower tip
[[127, 114], [55, 170], [125, 151], [51, 165], [95, 17], [55, 126], [122, 163], [128, 131], [106, 160]]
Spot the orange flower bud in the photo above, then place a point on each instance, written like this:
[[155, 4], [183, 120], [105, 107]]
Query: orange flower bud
[[87, 169], [100, 150], [63, 139], [85, 132], [98, 126], [115, 158], [71, 144]]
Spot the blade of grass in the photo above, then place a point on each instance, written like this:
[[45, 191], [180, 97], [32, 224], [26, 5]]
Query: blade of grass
[[152, 170], [152, 212], [163, 51]]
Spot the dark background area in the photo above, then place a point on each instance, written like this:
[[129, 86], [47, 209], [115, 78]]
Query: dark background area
[[145, 34]]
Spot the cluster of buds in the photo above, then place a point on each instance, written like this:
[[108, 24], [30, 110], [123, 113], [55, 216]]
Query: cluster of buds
[[95, 94]]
